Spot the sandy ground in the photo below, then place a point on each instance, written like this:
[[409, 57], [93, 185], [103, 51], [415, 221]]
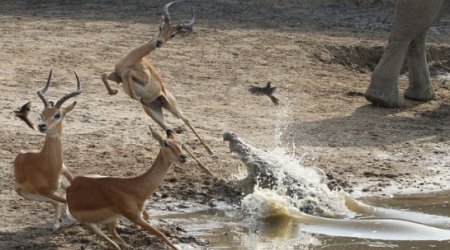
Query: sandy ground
[[320, 58]]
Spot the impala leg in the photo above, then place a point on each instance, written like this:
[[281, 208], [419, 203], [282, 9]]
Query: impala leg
[[139, 221], [111, 227], [170, 103], [113, 77], [55, 197], [66, 173], [188, 123], [57, 220], [56, 201], [97, 231], [145, 214], [127, 77], [155, 112], [197, 160]]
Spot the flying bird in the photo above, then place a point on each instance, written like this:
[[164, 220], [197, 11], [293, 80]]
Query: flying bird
[[267, 90], [22, 113]]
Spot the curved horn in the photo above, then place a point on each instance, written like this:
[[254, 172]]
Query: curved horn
[[165, 11], [188, 25], [70, 95], [42, 91]]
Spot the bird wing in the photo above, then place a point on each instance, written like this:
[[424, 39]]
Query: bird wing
[[22, 114], [256, 90]]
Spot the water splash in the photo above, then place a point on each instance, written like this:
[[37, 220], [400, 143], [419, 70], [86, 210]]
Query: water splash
[[284, 119], [297, 186], [298, 201]]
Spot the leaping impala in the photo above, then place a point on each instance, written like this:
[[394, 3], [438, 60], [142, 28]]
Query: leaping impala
[[37, 173], [142, 81], [102, 200]]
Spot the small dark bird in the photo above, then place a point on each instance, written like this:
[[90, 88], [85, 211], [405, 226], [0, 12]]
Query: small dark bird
[[23, 114], [267, 90]]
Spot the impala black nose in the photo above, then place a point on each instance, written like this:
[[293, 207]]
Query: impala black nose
[[42, 127]]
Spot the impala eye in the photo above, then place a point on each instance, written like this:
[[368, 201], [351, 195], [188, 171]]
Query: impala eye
[[158, 44], [57, 116]]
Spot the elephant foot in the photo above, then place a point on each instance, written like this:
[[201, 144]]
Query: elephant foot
[[419, 94], [385, 99]]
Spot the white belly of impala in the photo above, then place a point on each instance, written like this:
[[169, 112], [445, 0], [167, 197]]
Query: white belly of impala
[[95, 176], [36, 197], [148, 91], [109, 220]]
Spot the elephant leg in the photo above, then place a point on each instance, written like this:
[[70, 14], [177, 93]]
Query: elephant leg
[[383, 88], [420, 88], [411, 20]]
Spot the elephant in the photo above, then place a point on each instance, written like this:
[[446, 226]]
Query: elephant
[[412, 19]]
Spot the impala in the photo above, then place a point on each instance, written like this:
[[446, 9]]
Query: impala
[[38, 173], [102, 200], [142, 81]]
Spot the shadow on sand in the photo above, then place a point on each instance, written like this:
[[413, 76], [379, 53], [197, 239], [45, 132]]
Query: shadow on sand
[[231, 14], [372, 126]]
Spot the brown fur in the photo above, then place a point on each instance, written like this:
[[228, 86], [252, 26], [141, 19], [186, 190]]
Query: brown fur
[[100, 200], [142, 81], [37, 172]]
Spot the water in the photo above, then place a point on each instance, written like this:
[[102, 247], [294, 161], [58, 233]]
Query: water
[[300, 212], [403, 222], [273, 218], [231, 228]]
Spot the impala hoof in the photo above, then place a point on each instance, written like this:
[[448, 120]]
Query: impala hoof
[[210, 151], [56, 226], [220, 180], [112, 92], [214, 156], [125, 246]]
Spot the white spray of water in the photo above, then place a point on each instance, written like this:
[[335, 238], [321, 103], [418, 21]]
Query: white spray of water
[[291, 174]]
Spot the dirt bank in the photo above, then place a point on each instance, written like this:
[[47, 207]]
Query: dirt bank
[[320, 57]]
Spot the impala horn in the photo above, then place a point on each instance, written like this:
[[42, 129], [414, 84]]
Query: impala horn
[[70, 95], [42, 91], [180, 27]]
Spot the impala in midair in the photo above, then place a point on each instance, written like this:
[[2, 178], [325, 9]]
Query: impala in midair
[[142, 81]]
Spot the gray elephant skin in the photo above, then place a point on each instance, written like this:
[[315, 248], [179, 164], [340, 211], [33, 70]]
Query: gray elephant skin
[[412, 19]]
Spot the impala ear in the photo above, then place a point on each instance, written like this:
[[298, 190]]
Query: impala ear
[[170, 134], [68, 108], [156, 135]]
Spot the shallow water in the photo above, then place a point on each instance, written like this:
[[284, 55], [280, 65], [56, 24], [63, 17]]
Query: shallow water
[[229, 228], [273, 219], [431, 203]]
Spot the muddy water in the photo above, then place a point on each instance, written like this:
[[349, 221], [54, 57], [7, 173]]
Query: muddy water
[[273, 219], [419, 221], [431, 203]]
